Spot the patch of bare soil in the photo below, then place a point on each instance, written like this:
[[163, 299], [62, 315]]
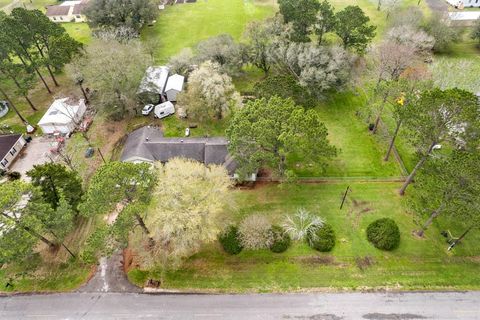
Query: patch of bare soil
[[317, 260]]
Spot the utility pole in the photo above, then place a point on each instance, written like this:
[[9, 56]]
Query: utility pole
[[344, 197]]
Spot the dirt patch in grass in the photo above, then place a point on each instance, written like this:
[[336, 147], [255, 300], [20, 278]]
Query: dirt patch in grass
[[364, 263], [317, 260]]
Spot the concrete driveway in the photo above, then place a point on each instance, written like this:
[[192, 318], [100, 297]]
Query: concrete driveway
[[36, 152]]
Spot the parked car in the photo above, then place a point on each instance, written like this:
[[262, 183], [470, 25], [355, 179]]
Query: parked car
[[147, 109], [187, 132]]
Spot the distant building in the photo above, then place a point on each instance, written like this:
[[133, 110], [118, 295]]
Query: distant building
[[174, 86], [10, 147], [63, 116], [158, 86], [67, 11], [460, 4]]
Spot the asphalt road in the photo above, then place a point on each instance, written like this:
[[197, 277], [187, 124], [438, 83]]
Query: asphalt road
[[319, 306]]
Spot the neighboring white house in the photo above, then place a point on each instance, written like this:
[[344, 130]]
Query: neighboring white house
[[464, 16], [62, 116], [174, 86], [10, 147], [464, 3], [67, 11]]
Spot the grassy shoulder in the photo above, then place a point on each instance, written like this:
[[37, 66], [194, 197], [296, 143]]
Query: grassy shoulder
[[353, 264]]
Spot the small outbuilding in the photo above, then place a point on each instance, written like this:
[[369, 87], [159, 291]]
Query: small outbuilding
[[153, 85], [63, 116], [174, 86]]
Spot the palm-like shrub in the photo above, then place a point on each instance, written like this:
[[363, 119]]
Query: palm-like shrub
[[255, 232], [300, 224]]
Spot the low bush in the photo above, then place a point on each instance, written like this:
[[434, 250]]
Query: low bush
[[321, 239], [281, 240], [230, 240], [384, 234], [256, 232], [13, 175]]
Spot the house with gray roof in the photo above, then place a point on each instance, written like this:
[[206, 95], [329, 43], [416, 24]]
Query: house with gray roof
[[148, 144]]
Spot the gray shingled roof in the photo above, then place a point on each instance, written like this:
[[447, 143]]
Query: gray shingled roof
[[149, 144], [7, 142], [57, 11]]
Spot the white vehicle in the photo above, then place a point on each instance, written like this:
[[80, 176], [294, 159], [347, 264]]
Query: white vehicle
[[147, 109], [187, 132], [164, 110]]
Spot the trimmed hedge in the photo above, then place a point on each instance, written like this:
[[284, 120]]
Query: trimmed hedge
[[322, 239], [230, 240], [384, 234], [281, 240]]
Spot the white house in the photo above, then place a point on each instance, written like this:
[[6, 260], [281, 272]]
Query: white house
[[67, 11], [464, 3], [10, 147], [63, 116], [174, 86]]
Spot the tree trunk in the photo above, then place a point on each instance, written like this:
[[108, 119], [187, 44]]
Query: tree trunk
[[40, 237], [84, 93], [414, 171], [392, 141], [43, 80], [377, 121], [63, 245], [433, 215], [20, 88], [47, 65], [142, 224], [13, 106], [460, 239]]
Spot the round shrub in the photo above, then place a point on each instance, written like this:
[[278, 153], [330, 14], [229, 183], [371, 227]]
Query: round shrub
[[230, 240], [281, 240], [384, 234], [255, 232], [321, 239]]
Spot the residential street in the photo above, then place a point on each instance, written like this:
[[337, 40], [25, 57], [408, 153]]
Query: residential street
[[319, 306]]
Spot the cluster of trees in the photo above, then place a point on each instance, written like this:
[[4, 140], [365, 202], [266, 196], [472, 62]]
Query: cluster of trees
[[185, 202], [31, 44], [44, 210], [120, 14]]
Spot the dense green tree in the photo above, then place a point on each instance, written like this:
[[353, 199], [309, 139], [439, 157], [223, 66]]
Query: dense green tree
[[325, 20], [267, 132], [223, 50], [302, 14], [449, 116], [438, 26], [120, 13], [122, 184], [448, 184], [56, 180], [353, 28]]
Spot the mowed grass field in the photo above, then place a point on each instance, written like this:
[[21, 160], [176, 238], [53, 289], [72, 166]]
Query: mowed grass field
[[182, 26], [415, 264]]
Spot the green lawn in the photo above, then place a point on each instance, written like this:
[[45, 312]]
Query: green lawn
[[360, 152], [29, 4], [184, 25], [416, 264], [79, 31]]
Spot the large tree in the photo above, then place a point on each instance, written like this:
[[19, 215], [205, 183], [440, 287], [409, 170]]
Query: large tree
[[119, 13], [189, 209], [210, 93], [223, 50], [55, 181], [268, 132], [448, 184], [259, 36], [437, 117], [302, 14], [315, 67], [119, 183], [114, 70], [438, 26], [354, 29], [325, 20]]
